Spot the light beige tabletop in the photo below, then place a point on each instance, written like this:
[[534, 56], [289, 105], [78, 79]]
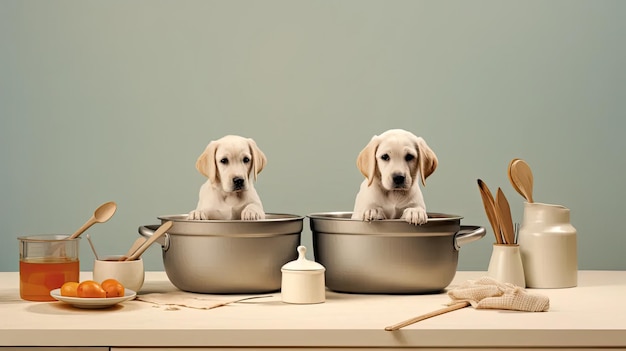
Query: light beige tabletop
[[590, 315]]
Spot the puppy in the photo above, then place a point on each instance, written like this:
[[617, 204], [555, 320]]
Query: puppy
[[229, 163], [390, 163]]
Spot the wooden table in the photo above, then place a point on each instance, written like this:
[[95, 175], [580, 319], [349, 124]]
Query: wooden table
[[592, 315]]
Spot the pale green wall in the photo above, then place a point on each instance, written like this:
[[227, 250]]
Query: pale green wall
[[114, 100]]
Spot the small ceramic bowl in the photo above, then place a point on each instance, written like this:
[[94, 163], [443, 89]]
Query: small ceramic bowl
[[130, 273]]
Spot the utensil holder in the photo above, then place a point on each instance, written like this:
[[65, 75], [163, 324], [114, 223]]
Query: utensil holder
[[548, 246], [506, 266], [130, 273]]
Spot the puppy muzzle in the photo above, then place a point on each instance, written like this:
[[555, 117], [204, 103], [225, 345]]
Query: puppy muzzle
[[239, 183], [399, 181]]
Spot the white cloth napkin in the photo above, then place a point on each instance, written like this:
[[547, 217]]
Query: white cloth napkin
[[487, 292]]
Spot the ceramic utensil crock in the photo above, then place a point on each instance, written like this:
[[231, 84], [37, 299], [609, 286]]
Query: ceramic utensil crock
[[548, 246], [130, 273], [506, 266]]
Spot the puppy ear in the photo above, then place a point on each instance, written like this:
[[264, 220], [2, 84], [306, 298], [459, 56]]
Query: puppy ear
[[206, 163], [258, 158], [427, 159], [366, 161]]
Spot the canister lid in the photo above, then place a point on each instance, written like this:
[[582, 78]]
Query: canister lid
[[302, 263]]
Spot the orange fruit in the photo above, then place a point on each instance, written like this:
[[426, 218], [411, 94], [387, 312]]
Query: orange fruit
[[90, 288], [113, 288], [69, 289]]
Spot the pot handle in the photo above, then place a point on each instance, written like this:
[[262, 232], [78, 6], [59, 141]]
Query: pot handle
[[467, 234], [147, 230]]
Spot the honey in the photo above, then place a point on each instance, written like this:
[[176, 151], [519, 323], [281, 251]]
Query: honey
[[38, 276]]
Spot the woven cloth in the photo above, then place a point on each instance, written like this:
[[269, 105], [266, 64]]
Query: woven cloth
[[191, 300], [487, 292]]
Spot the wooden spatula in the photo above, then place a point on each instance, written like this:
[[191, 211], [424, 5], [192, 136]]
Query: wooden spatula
[[490, 209], [504, 218]]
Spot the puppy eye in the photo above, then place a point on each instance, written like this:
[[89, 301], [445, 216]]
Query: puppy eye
[[224, 161], [384, 157], [246, 159], [409, 157]]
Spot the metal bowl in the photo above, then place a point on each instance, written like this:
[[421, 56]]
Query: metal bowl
[[389, 256], [228, 256]]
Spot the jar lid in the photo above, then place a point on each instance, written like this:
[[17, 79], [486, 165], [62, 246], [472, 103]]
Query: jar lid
[[302, 263]]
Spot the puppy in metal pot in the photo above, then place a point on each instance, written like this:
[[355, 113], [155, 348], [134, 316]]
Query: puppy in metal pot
[[230, 164], [391, 163]]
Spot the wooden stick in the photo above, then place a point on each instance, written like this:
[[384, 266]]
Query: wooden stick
[[456, 306], [220, 304]]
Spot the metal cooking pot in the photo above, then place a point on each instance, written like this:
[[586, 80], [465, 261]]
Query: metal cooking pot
[[228, 256], [389, 256]]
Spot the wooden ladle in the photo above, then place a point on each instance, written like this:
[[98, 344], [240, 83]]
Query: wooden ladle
[[157, 234], [102, 214], [522, 178]]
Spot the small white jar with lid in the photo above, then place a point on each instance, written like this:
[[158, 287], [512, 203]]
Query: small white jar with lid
[[303, 280]]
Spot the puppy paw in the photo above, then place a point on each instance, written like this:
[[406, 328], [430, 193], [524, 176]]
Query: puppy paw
[[197, 215], [373, 214], [252, 214], [415, 215]]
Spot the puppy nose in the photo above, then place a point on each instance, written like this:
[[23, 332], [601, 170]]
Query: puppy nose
[[398, 179], [238, 182]]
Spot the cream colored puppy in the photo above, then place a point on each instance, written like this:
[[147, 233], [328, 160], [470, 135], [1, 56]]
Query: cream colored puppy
[[229, 164], [390, 163]]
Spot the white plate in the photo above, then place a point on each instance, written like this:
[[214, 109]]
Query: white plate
[[92, 302]]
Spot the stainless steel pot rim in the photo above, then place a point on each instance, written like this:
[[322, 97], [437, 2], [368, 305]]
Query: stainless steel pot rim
[[269, 218], [346, 216]]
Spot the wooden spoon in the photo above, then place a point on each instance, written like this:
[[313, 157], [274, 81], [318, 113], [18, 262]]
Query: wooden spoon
[[490, 209], [133, 248], [100, 215], [523, 177], [504, 218], [157, 234], [509, 172], [454, 307]]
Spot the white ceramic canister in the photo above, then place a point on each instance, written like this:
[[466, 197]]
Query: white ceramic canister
[[506, 266], [303, 280], [548, 246]]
